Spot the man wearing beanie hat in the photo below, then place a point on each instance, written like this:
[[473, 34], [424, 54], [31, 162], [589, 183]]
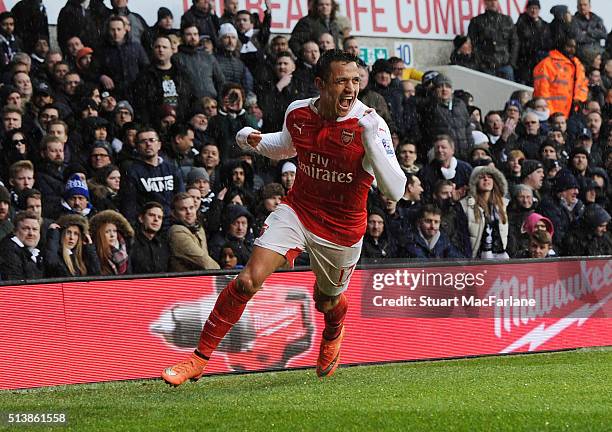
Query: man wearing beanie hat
[[211, 206], [535, 41], [87, 108], [124, 113], [495, 41], [85, 51], [378, 243], [6, 226], [288, 171], [228, 56], [584, 140], [532, 175], [197, 175], [563, 207], [579, 162], [445, 114], [76, 197], [513, 110], [227, 29], [164, 13], [591, 237], [237, 227], [164, 26]]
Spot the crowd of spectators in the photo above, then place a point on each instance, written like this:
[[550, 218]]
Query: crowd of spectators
[[118, 151]]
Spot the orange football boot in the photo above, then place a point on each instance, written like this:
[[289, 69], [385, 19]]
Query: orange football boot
[[329, 356], [191, 368]]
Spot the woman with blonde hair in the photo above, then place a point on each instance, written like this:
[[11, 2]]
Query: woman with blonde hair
[[112, 236], [70, 251], [485, 208]]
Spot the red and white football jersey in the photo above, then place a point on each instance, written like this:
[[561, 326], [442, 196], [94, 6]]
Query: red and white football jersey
[[331, 185]]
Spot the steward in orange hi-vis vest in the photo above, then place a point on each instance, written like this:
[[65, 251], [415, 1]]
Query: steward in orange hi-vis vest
[[560, 78]]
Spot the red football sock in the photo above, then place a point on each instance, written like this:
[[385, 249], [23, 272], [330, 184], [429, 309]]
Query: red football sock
[[227, 311], [334, 319]]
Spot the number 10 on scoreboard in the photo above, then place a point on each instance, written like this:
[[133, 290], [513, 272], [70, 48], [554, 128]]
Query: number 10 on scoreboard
[[404, 51]]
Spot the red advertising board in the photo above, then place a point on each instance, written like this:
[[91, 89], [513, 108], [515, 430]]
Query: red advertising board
[[102, 330]]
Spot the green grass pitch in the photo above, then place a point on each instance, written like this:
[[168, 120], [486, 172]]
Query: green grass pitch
[[569, 391]]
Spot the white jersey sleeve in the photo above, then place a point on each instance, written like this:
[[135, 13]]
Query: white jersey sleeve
[[277, 145], [380, 160]]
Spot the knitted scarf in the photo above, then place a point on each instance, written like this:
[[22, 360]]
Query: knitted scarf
[[118, 261]]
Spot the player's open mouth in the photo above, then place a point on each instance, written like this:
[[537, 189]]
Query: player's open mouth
[[345, 102]]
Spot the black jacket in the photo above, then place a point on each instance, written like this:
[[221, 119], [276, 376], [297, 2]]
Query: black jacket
[[311, 27], [31, 22], [517, 240], [259, 40], [274, 103], [561, 218], [454, 224], [50, 183], [495, 41], [535, 42], [588, 33], [465, 60], [530, 145], [122, 63], [153, 89], [437, 119], [583, 242], [223, 129], [54, 261], [88, 27], [394, 98], [149, 256], [207, 23], [304, 79], [16, 262], [374, 250]]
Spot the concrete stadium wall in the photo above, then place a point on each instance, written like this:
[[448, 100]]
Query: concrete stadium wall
[[490, 93]]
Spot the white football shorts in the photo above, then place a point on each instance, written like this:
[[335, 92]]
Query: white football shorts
[[331, 263]]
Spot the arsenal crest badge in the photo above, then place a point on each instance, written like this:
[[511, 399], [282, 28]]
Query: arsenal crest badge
[[347, 136]]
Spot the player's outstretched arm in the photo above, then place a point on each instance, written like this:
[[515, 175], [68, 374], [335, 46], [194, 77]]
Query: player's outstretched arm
[[276, 145], [380, 156]]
